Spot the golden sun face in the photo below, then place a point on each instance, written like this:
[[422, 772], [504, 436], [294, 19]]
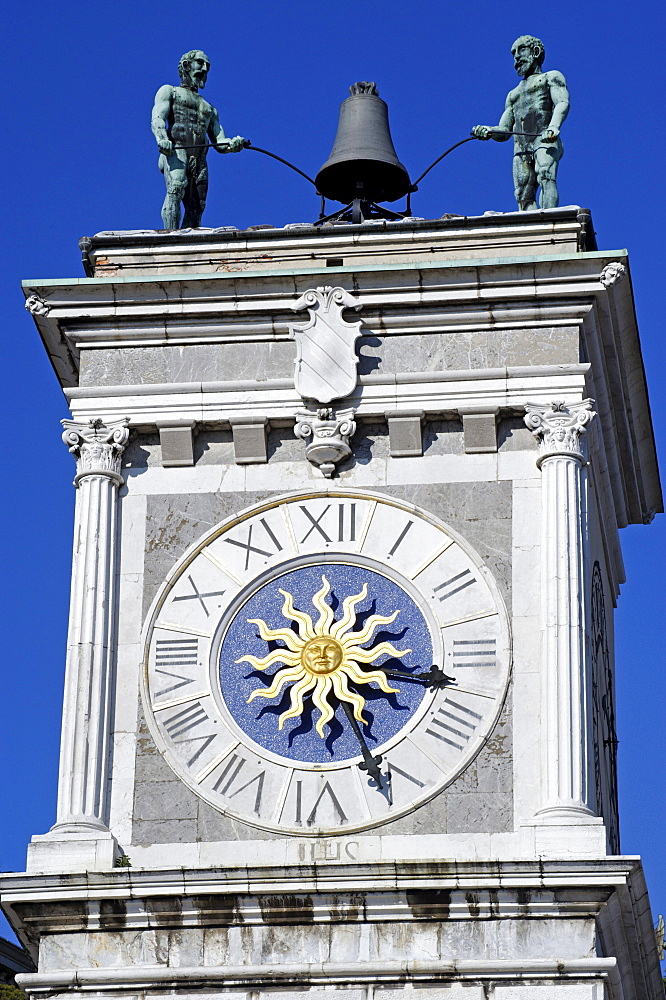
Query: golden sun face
[[323, 656]]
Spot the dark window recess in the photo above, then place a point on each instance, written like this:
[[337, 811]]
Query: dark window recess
[[334, 262]]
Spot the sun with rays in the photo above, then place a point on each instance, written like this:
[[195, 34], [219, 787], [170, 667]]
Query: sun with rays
[[323, 656]]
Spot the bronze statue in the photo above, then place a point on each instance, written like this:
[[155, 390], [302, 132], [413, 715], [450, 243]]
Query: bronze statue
[[534, 113], [185, 125]]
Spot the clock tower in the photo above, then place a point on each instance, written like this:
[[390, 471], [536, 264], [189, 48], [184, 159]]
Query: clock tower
[[339, 698]]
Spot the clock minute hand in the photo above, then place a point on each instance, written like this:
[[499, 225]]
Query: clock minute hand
[[435, 677], [370, 763]]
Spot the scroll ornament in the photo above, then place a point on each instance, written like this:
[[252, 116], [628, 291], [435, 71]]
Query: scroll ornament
[[97, 447], [326, 437], [559, 427]]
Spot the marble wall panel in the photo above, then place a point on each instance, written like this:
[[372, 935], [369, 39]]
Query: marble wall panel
[[437, 352], [258, 361], [262, 360], [443, 437]]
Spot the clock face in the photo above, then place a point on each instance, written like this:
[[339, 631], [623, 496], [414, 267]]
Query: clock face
[[324, 663]]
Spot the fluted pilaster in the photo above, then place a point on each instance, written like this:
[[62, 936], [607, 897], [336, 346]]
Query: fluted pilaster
[[84, 752], [565, 688]]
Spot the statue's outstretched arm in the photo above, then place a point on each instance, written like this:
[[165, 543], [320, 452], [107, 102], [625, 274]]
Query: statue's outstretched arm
[[560, 98], [500, 132], [159, 118], [218, 137]]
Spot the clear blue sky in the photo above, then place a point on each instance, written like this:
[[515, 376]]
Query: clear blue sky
[[79, 158]]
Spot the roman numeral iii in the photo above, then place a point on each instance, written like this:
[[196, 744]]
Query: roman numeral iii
[[474, 652]]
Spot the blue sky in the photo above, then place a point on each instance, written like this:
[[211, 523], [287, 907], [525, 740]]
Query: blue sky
[[80, 158]]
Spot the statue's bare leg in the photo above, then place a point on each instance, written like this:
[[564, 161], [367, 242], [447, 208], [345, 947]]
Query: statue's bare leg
[[175, 176], [195, 198], [546, 170], [525, 183]]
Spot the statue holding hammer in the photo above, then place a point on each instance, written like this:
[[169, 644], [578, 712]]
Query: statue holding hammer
[[533, 115], [185, 126]]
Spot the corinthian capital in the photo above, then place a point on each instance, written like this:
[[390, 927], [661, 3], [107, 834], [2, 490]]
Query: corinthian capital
[[97, 447], [559, 427]]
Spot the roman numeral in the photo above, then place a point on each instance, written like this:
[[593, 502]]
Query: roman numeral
[[234, 766], [474, 652], [400, 538], [314, 521], [393, 768], [454, 585], [341, 522], [181, 682], [326, 790], [184, 720], [229, 775], [197, 596], [249, 547], [176, 652], [454, 724], [346, 531]]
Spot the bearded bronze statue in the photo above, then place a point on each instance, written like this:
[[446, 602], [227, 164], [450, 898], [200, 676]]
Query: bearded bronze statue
[[185, 126], [533, 114]]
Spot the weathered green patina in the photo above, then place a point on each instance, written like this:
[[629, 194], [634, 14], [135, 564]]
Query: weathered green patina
[[533, 114], [184, 125]]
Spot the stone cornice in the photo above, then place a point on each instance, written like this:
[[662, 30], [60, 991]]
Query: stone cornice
[[303, 974], [135, 900], [598, 260], [432, 392], [460, 295], [206, 310], [400, 378], [327, 876]]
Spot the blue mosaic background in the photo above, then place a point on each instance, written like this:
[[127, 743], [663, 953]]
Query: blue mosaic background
[[386, 713]]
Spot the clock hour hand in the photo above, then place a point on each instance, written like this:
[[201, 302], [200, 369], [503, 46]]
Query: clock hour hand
[[370, 763], [435, 677]]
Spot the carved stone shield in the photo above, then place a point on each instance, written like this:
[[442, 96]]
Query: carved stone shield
[[326, 360]]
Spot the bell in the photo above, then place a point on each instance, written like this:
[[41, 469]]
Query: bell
[[363, 163]]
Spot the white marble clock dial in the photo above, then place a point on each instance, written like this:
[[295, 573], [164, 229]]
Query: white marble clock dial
[[324, 663]]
